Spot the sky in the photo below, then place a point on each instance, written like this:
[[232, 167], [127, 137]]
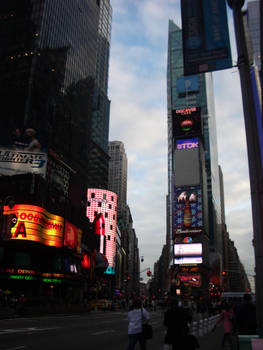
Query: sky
[[138, 118]]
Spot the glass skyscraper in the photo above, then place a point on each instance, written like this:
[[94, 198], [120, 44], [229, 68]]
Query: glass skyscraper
[[54, 78], [187, 94]]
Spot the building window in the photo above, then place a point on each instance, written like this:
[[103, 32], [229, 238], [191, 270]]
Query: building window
[[104, 196], [88, 204], [106, 215], [99, 204], [92, 195], [111, 227], [108, 238], [109, 206], [113, 217], [112, 198]]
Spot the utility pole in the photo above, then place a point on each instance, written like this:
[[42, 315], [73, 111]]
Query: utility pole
[[253, 150]]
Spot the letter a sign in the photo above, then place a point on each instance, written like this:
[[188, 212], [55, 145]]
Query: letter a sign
[[20, 230]]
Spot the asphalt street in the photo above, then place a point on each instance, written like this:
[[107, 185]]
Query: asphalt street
[[96, 330]]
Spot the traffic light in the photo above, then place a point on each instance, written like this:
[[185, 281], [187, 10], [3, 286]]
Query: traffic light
[[223, 273], [149, 273]]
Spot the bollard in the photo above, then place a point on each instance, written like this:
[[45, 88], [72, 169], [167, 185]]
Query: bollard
[[200, 328], [194, 328]]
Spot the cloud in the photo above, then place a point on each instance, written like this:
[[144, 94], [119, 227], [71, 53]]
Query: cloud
[[137, 89]]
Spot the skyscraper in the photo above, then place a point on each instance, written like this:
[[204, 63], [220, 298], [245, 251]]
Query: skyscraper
[[54, 78], [118, 172], [54, 60], [193, 179]]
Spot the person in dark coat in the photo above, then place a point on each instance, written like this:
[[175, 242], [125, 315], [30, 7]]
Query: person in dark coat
[[246, 316], [176, 321]]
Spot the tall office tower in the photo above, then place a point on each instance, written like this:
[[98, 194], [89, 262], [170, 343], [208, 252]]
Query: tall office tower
[[118, 172], [54, 59], [193, 179], [54, 78]]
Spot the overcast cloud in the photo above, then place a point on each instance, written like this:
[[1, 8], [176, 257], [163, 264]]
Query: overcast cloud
[[137, 89]]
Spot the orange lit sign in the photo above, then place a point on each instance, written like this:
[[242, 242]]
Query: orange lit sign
[[36, 224]]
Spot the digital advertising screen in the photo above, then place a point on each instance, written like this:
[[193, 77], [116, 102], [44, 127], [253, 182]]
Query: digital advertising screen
[[33, 223], [187, 210], [187, 122], [188, 260], [102, 211], [206, 45], [188, 249], [187, 165]]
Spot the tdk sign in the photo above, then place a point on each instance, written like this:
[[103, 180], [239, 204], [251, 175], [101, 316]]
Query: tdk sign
[[187, 143]]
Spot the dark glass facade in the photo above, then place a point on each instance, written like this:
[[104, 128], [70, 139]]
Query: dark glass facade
[[54, 59]]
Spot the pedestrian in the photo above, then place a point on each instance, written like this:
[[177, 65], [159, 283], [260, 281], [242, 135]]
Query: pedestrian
[[246, 318], [227, 317], [176, 321], [136, 316]]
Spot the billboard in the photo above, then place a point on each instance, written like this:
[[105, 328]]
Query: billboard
[[187, 210], [187, 163], [206, 45], [33, 223], [193, 280], [102, 212], [188, 249], [188, 260], [187, 84], [187, 122], [15, 162]]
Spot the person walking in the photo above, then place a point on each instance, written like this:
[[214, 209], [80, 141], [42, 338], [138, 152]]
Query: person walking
[[136, 317], [227, 317], [176, 321], [246, 316]]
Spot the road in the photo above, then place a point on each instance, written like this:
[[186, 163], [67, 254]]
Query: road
[[96, 330]]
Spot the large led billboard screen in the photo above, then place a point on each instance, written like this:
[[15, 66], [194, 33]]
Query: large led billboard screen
[[187, 165], [188, 249], [206, 45], [187, 209], [33, 223], [102, 211], [187, 122]]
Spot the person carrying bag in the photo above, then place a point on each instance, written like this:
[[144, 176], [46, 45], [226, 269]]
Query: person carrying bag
[[137, 317]]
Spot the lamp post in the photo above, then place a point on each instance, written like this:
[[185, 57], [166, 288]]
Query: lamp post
[[253, 150]]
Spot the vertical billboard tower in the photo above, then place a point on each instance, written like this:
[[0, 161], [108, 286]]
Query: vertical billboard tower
[[102, 212], [193, 180]]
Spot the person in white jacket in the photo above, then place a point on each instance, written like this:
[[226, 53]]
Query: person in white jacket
[[136, 317]]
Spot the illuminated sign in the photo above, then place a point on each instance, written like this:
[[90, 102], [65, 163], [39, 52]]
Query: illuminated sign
[[36, 224], [187, 122], [72, 237], [188, 212], [14, 162], [193, 280], [188, 260], [190, 249], [33, 223], [102, 211], [187, 240], [187, 143]]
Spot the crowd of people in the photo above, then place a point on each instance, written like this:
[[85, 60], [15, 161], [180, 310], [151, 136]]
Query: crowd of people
[[236, 318]]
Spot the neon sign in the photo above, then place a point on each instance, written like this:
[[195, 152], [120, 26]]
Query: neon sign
[[187, 143], [102, 211], [36, 224]]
